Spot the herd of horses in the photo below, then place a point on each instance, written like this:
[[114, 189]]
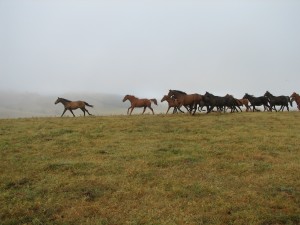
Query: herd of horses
[[192, 102]]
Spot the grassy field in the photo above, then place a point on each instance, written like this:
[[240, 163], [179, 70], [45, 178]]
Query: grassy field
[[241, 168]]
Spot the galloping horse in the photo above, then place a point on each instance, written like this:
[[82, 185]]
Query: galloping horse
[[283, 101], [214, 101], [69, 105], [233, 103], [244, 102], [136, 102], [172, 102], [296, 97], [191, 100], [258, 101]]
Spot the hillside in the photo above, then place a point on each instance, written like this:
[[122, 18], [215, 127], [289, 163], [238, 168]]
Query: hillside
[[240, 168]]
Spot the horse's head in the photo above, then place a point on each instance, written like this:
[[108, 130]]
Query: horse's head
[[164, 98], [246, 96], [58, 100], [293, 95], [207, 94], [267, 94], [125, 98]]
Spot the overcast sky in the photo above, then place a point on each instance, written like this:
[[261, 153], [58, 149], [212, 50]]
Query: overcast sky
[[146, 48]]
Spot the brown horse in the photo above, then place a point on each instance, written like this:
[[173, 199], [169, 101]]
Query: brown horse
[[244, 102], [136, 102], [69, 105], [296, 97], [172, 102], [189, 101]]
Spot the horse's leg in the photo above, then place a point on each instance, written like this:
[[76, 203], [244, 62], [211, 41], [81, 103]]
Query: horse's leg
[[195, 108], [238, 107], [72, 112], [175, 109], [128, 110], [169, 109], [247, 108], [63, 112], [87, 111], [131, 110], [149, 108], [144, 109], [83, 111], [180, 109]]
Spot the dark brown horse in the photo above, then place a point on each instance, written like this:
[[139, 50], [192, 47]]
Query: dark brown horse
[[136, 102], [189, 101], [296, 97], [69, 105], [172, 102]]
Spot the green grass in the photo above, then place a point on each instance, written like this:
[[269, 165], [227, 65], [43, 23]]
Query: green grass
[[241, 168]]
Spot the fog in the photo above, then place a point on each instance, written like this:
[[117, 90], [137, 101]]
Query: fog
[[77, 49]]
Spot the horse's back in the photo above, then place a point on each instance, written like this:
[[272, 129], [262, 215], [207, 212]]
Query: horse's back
[[77, 104], [142, 102]]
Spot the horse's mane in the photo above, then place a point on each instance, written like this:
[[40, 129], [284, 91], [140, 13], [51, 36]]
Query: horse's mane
[[180, 92], [66, 100]]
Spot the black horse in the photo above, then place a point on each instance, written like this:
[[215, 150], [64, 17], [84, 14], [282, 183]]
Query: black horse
[[233, 103], [258, 101], [220, 102], [282, 101], [213, 101]]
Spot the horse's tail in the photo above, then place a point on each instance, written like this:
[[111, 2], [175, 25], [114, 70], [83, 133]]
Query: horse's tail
[[87, 104], [154, 101]]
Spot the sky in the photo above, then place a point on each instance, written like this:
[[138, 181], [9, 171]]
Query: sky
[[145, 47]]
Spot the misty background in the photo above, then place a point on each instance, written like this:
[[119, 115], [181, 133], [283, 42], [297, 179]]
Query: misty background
[[100, 50]]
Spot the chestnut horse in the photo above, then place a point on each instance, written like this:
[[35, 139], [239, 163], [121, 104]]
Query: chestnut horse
[[136, 102], [172, 102], [69, 105], [296, 97], [189, 101]]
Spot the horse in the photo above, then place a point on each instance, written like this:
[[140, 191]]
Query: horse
[[189, 101], [243, 102], [214, 101], [136, 102], [70, 105], [296, 97], [233, 103], [172, 102], [283, 101], [258, 101]]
